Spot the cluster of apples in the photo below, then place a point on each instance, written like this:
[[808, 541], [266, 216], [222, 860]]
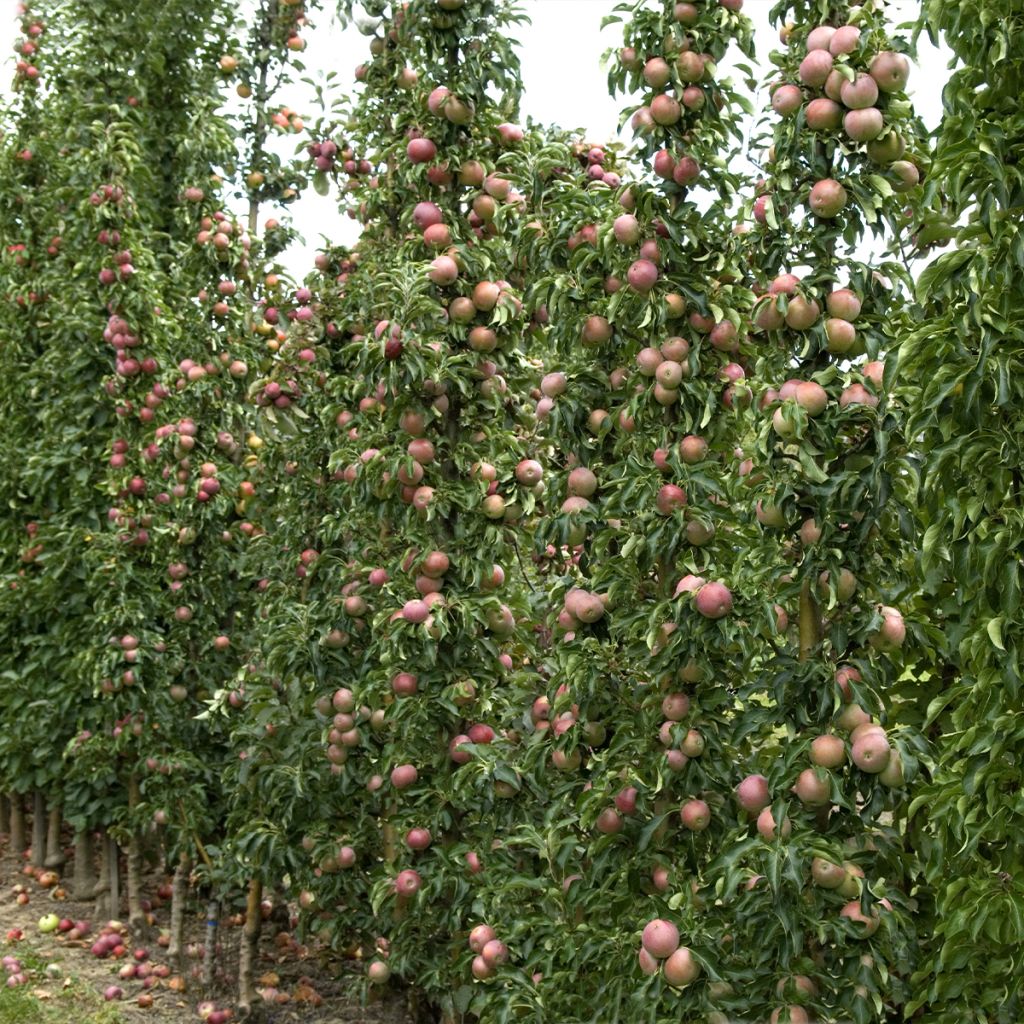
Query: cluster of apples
[[28, 47], [490, 951], [123, 339], [660, 950], [593, 160], [843, 87]]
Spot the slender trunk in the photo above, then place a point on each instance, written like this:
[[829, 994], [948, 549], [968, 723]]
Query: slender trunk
[[102, 888], [810, 624], [55, 858], [5, 814], [18, 843], [262, 97], [210, 944], [250, 948], [114, 867], [389, 836], [179, 895], [136, 915], [84, 886], [38, 829]]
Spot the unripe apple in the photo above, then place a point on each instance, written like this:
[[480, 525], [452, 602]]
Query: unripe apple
[[681, 968], [819, 38], [886, 148], [890, 71], [852, 884], [787, 100], [859, 94], [846, 39], [871, 752], [892, 774], [906, 174], [846, 585], [865, 925], [693, 449], [840, 334], [815, 68], [648, 965], [813, 787], [767, 828], [844, 304], [642, 275], [827, 875], [823, 115], [828, 751], [863, 125], [657, 74], [802, 313], [752, 794], [827, 198], [695, 815], [851, 716]]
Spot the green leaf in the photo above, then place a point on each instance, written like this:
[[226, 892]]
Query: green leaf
[[995, 631]]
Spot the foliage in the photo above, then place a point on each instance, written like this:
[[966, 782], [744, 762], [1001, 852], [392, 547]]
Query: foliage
[[603, 540]]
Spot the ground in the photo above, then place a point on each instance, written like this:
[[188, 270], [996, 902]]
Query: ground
[[65, 982]]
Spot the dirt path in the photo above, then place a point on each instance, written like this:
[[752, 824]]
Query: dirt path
[[65, 981]]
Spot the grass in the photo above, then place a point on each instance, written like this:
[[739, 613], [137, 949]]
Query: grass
[[66, 1000], [75, 1003]]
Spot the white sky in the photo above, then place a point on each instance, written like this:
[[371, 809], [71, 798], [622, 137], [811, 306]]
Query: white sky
[[562, 74]]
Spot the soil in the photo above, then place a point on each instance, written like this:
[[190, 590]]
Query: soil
[[303, 972]]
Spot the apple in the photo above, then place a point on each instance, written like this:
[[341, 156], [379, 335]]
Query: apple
[[752, 794], [890, 71], [695, 815], [49, 923], [827, 198], [680, 968], [660, 938]]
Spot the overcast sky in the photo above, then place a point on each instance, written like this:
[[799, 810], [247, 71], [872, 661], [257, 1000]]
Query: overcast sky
[[562, 74]]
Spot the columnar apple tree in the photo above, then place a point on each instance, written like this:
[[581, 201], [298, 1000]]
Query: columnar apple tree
[[110, 314], [959, 370], [395, 633], [829, 474]]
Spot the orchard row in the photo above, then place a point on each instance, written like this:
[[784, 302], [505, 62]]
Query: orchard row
[[539, 596]]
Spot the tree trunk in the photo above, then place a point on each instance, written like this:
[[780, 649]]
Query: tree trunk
[[55, 858], [136, 915], [84, 886], [17, 825], [250, 948], [5, 815], [810, 622], [114, 869], [102, 889], [38, 829], [179, 895], [210, 944]]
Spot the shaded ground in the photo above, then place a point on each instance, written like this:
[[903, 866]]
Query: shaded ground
[[65, 981]]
